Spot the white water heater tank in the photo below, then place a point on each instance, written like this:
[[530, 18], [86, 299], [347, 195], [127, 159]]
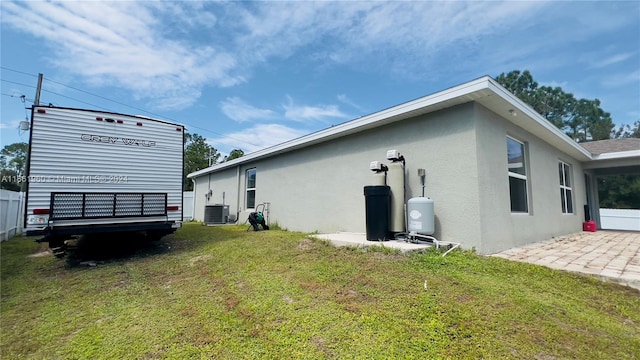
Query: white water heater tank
[[379, 179], [421, 215]]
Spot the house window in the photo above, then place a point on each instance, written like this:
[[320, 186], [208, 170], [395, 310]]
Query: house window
[[251, 188], [566, 192], [517, 176]]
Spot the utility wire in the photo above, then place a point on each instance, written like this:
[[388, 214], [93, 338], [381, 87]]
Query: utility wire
[[22, 97], [17, 83], [146, 111], [67, 97], [114, 101], [104, 98], [18, 71]]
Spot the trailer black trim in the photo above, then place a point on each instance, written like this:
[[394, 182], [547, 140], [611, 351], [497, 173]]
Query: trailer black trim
[[94, 229]]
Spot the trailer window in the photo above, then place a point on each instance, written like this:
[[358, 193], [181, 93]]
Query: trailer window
[[251, 188]]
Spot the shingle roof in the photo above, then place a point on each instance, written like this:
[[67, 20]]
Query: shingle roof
[[612, 145]]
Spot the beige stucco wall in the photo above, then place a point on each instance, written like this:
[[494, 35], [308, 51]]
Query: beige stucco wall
[[500, 228], [462, 149], [224, 189], [320, 188]]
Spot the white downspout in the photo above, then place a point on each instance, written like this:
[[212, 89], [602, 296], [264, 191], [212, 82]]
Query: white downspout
[[193, 211], [238, 194]]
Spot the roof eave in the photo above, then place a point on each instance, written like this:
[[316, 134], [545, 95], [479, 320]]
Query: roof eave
[[539, 126], [617, 155], [425, 104], [475, 90]]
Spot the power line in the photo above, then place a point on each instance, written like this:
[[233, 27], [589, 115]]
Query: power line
[[80, 90], [146, 111], [17, 71], [17, 83], [116, 102], [67, 97], [22, 97], [102, 97]]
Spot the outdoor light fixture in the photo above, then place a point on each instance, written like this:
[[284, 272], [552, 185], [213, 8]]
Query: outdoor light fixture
[[512, 112]]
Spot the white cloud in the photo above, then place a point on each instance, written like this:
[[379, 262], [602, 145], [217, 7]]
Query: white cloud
[[126, 44], [192, 14], [343, 98], [401, 36], [238, 110], [14, 124], [555, 84], [621, 79], [257, 137], [611, 60], [305, 113], [168, 52]]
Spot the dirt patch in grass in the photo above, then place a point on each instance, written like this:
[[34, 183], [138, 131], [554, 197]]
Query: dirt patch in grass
[[40, 254], [305, 244], [199, 260]]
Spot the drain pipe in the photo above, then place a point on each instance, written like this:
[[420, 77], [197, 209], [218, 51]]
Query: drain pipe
[[452, 248], [193, 211], [422, 174]]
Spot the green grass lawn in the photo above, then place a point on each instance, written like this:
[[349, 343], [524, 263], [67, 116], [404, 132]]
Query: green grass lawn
[[222, 292]]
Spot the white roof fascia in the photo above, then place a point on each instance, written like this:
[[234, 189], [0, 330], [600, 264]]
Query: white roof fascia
[[372, 120], [614, 159], [617, 155], [528, 111]]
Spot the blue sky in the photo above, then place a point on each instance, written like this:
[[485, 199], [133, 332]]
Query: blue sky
[[253, 74]]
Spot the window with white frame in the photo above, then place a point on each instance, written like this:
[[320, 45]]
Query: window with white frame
[[251, 189], [517, 176], [566, 192]]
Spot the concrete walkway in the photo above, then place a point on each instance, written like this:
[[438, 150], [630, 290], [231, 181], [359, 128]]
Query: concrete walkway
[[609, 255], [359, 240]]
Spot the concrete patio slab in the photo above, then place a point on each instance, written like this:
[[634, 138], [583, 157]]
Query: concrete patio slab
[[609, 255], [359, 240]]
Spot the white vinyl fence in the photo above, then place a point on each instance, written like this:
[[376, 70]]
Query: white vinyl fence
[[620, 219], [187, 205], [11, 210]]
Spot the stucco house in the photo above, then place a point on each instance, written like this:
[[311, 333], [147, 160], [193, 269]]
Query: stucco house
[[500, 175]]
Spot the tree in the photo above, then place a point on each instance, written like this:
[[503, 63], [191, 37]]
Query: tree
[[521, 85], [198, 154], [595, 123], [555, 105], [13, 159], [582, 119], [619, 191], [234, 154], [627, 131]]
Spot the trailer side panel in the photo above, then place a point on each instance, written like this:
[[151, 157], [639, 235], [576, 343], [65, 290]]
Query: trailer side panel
[[114, 158]]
